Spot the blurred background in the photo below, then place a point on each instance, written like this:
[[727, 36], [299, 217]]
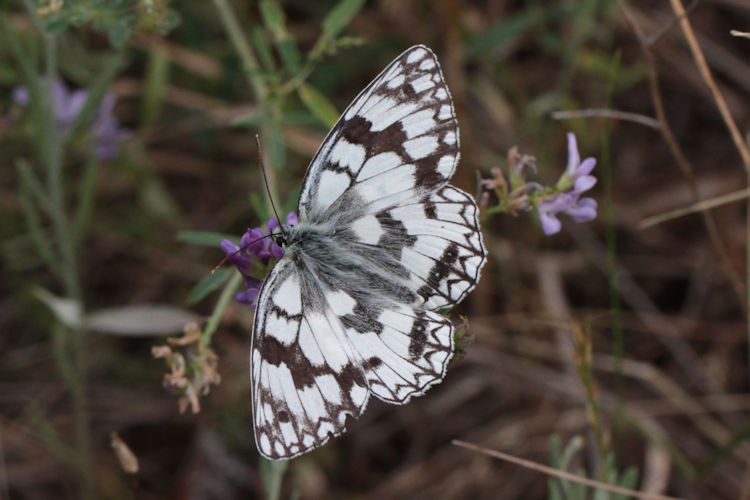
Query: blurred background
[[615, 349]]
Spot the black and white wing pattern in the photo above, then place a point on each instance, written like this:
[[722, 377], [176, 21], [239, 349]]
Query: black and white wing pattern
[[383, 243]]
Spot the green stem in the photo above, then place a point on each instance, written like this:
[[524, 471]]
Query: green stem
[[252, 72], [226, 296], [52, 157], [611, 239], [243, 49], [272, 473]]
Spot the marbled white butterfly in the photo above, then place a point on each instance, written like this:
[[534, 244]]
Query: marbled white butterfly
[[383, 243]]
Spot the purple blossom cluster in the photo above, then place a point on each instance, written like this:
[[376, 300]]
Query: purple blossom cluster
[[576, 180], [253, 255], [106, 132]]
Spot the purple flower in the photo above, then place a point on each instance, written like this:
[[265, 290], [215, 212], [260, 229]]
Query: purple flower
[[106, 130], [252, 256], [573, 183], [67, 105]]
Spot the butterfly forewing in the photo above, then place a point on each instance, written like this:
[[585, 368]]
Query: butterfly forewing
[[397, 140], [383, 242]]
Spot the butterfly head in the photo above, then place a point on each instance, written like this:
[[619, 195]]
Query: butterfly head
[[279, 238]]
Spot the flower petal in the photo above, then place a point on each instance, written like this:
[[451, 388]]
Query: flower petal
[[229, 247], [292, 219], [560, 202], [254, 240], [574, 158], [583, 183], [21, 96], [249, 296], [550, 224], [264, 256], [276, 250], [272, 224], [583, 211], [586, 166]]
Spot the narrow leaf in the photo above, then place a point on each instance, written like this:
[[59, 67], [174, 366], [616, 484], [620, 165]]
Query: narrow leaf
[[67, 311], [263, 49], [205, 238], [275, 20], [259, 206], [140, 320], [210, 283], [339, 17], [251, 120], [86, 195], [157, 78], [273, 17], [318, 105], [32, 185], [38, 234]]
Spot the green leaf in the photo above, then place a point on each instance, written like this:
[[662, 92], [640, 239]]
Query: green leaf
[[273, 17], [629, 478], [38, 234], [205, 238], [119, 32], [289, 54], [157, 78], [144, 320], [252, 120], [272, 472], [278, 149], [503, 32], [275, 21], [318, 105], [339, 17], [23, 58], [292, 199], [210, 283], [263, 49], [67, 311], [259, 205], [33, 187], [86, 195]]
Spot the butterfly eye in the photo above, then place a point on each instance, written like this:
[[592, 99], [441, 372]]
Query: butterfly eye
[[280, 240]]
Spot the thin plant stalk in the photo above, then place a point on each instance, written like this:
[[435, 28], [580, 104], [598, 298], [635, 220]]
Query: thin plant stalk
[[734, 131], [272, 473], [52, 153], [615, 305], [224, 299]]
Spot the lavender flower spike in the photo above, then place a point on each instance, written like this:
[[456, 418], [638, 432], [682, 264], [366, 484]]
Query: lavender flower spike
[[572, 184], [254, 255], [106, 133]]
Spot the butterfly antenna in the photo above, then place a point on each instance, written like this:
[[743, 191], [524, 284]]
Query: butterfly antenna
[[265, 181]]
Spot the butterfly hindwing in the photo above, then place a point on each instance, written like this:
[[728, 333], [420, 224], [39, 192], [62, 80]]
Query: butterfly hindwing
[[398, 139], [404, 353], [435, 240]]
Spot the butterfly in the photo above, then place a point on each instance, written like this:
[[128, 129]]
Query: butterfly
[[383, 243]]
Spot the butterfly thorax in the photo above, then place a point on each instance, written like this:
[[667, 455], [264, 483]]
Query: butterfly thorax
[[334, 258], [308, 240]]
